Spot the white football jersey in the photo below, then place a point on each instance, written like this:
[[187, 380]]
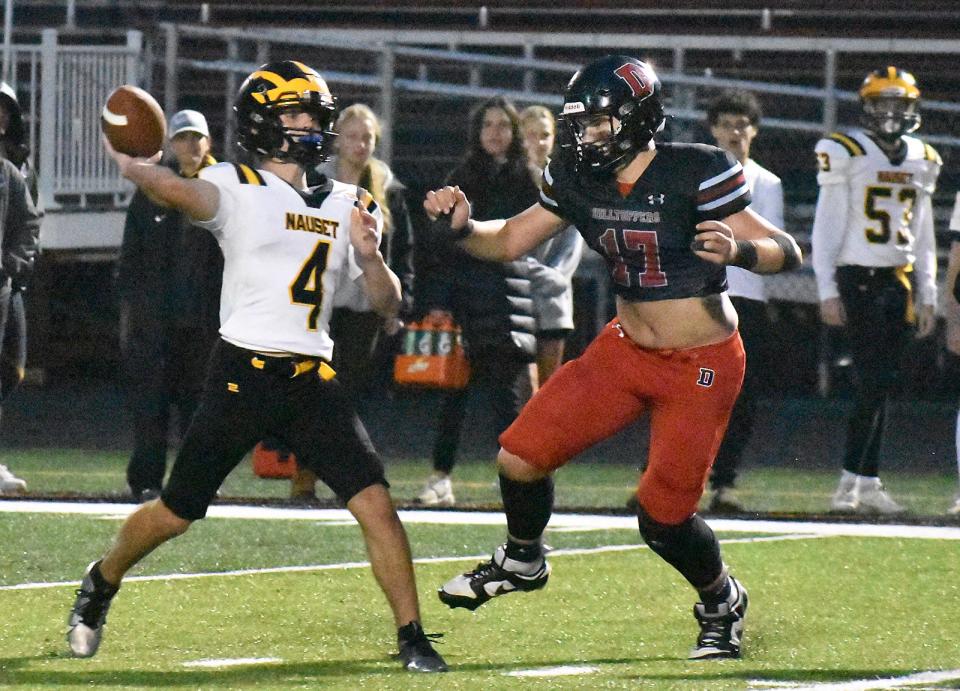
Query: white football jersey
[[884, 197], [285, 252]]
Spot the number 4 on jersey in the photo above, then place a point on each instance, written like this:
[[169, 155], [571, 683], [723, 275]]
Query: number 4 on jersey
[[307, 287]]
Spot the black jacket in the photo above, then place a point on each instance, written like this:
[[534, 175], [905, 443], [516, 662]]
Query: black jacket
[[489, 300], [20, 229], [169, 271]]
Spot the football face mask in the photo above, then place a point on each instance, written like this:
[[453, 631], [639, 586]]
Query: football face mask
[[890, 117], [890, 98]]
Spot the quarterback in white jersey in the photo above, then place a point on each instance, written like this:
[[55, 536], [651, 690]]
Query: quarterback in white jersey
[[873, 227], [285, 253], [286, 249]]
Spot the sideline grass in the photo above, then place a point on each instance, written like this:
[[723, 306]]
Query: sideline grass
[[822, 610], [603, 486]]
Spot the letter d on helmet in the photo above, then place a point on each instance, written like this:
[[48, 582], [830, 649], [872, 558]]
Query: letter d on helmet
[[623, 91]]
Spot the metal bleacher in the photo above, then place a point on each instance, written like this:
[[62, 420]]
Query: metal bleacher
[[423, 66]]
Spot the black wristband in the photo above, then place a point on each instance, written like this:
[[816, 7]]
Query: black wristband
[[791, 257], [443, 229], [464, 232], [746, 255]]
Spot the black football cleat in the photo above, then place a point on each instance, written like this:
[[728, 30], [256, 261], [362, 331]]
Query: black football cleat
[[416, 649], [721, 625]]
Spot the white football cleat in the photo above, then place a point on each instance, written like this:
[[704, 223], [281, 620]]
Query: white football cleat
[[10, 483], [88, 616], [438, 491], [874, 499], [845, 499], [955, 509], [499, 576]]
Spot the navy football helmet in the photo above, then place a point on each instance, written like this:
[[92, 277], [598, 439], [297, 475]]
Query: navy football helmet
[[269, 91], [621, 91]]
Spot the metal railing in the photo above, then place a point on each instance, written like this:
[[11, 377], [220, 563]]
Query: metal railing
[[65, 85], [427, 52], [63, 88]]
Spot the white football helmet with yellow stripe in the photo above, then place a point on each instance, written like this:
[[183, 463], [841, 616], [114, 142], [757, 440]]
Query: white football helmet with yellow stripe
[[269, 91], [890, 100]]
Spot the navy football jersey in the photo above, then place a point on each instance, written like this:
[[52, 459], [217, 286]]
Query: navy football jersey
[[645, 237]]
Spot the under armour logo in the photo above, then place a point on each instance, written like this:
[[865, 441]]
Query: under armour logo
[[655, 199], [706, 377]]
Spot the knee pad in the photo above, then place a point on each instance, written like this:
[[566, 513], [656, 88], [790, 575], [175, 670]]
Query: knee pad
[[690, 547]]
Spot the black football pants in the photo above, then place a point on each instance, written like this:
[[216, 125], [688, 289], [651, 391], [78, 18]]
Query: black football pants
[[246, 398], [877, 301]]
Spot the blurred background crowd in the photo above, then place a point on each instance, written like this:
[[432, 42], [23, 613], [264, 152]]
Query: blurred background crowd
[[428, 95]]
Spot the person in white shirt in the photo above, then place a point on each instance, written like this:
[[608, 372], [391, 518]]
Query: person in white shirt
[[873, 228], [286, 249], [734, 120]]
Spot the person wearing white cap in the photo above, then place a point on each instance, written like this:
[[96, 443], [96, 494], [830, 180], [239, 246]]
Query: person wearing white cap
[[169, 283]]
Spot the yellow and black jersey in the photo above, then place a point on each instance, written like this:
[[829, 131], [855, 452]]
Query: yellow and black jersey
[[285, 252], [883, 215]]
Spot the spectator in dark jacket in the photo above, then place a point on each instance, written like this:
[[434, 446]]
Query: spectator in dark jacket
[[491, 301], [169, 280], [20, 237]]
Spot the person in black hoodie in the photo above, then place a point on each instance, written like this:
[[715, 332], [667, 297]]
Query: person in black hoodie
[[491, 301], [169, 282], [20, 217]]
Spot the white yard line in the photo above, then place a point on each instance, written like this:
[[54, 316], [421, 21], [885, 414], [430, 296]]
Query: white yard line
[[776, 530], [364, 564], [919, 679], [559, 521]]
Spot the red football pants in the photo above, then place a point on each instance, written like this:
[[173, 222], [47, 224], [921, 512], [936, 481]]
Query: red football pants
[[688, 392]]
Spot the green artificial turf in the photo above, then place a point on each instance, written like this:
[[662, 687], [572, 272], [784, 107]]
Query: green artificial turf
[[827, 609]]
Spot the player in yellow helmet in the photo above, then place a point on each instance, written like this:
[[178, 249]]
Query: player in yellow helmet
[[874, 229]]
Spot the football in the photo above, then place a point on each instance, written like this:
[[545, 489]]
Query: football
[[133, 121]]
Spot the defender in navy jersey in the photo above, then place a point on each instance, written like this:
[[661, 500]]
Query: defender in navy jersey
[[667, 218], [287, 250]]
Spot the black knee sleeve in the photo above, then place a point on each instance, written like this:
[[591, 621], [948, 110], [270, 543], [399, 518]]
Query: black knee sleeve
[[690, 547], [528, 506]]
